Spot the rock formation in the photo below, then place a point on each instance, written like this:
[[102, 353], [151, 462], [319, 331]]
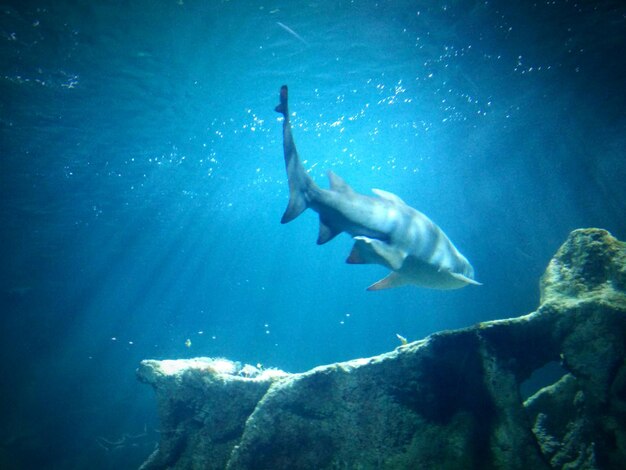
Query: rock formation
[[451, 400]]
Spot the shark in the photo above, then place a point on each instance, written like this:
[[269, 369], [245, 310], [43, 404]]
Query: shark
[[385, 230]]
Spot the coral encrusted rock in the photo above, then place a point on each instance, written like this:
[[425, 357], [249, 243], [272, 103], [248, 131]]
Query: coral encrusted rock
[[449, 401]]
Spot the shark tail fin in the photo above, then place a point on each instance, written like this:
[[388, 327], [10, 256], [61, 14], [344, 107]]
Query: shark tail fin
[[283, 107], [301, 187]]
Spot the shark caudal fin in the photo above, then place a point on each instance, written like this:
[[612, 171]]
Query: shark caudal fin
[[283, 107], [301, 186]]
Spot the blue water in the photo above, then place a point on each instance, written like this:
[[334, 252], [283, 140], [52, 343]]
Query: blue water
[[142, 184]]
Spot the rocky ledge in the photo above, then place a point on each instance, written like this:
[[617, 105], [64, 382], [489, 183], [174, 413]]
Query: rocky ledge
[[451, 400]]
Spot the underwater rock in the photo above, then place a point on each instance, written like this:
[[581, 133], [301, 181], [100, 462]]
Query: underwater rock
[[203, 407], [451, 400]]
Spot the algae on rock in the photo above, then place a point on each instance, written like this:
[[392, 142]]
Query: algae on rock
[[451, 400]]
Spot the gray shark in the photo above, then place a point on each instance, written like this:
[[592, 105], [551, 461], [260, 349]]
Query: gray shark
[[385, 229]]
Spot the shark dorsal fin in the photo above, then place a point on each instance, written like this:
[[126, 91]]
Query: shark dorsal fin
[[338, 184], [388, 196]]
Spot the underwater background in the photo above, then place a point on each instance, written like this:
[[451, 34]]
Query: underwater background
[[142, 184]]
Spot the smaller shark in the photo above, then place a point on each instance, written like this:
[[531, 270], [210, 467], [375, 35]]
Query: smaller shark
[[384, 228]]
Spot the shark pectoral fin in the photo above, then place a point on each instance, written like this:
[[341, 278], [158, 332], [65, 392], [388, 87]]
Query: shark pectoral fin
[[465, 279], [361, 252], [326, 233], [356, 256], [391, 256], [392, 280]]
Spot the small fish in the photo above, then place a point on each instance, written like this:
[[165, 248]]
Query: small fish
[[402, 339], [292, 32], [188, 343]]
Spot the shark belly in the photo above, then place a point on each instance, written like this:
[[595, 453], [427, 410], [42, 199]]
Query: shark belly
[[396, 236], [416, 250]]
